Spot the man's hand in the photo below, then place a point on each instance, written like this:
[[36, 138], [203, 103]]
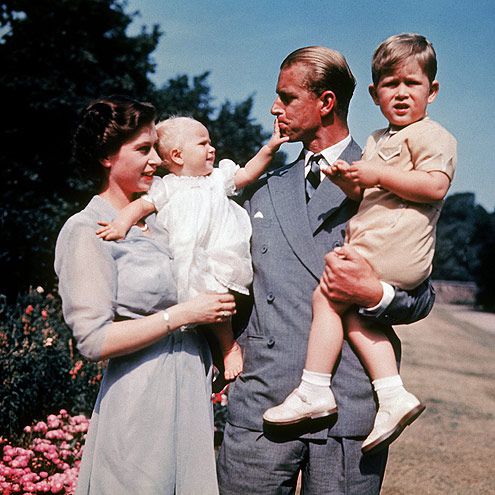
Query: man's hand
[[349, 278]]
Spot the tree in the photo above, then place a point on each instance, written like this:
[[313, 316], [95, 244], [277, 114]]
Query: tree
[[458, 244], [233, 131], [56, 56], [485, 273]]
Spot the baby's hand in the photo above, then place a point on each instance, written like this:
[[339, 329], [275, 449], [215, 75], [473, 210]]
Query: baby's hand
[[110, 231], [276, 140]]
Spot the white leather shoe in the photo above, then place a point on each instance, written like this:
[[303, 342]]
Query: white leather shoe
[[390, 421], [297, 407]]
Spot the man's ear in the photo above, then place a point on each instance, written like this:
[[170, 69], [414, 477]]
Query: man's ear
[[106, 162], [328, 102], [373, 93]]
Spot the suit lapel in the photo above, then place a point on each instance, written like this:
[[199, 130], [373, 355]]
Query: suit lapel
[[289, 202], [328, 198]]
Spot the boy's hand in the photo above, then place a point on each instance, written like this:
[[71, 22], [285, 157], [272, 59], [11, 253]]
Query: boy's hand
[[276, 140], [363, 174], [336, 170], [111, 231]]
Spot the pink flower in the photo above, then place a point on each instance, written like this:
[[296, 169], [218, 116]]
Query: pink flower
[[57, 487], [53, 422], [44, 314], [40, 427], [29, 310]]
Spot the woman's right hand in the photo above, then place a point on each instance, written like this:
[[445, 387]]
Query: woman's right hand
[[209, 308]]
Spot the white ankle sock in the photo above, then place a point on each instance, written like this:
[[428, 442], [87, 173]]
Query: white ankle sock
[[388, 388], [314, 383]]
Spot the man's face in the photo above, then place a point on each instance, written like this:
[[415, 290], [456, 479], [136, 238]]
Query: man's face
[[297, 109]]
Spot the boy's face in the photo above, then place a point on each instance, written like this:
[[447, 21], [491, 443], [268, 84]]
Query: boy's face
[[404, 93], [197, 153]]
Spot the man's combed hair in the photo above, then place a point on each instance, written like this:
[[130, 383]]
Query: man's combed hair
[[398, 48], [328, 71]]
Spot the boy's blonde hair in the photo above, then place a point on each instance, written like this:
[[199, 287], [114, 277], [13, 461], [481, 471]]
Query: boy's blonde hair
[[396, 49], [171, 134]]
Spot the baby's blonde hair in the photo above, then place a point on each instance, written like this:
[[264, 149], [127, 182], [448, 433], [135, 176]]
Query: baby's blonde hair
[[171, 134], [396, 49]]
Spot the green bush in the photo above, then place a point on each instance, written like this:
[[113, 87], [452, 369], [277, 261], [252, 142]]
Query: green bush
[[41, 370]]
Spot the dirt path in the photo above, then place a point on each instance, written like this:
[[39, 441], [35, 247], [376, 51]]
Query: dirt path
[[449, 362]]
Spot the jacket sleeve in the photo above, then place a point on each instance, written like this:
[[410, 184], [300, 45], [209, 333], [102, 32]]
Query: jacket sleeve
[[407, 306]]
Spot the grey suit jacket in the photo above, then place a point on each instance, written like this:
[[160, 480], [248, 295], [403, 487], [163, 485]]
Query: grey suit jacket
[[289, 242]]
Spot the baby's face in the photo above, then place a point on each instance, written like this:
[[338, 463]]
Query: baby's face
[[197, 152], [404, 93]]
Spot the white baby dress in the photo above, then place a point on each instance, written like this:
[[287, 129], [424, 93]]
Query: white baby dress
[[209, 234]]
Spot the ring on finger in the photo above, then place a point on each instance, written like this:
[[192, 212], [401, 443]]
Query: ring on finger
[[225, 314]]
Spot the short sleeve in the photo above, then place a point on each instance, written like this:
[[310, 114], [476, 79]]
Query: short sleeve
[[87, 279], [434, 149], [227, 170], [157, 194]]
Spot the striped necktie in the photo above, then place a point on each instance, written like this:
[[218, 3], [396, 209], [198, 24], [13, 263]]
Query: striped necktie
[[313, 176]]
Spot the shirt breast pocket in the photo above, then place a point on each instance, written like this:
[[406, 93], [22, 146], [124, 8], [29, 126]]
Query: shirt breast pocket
[[387, 153]]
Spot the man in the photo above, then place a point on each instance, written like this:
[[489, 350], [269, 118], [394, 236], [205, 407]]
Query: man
[[294, 225]]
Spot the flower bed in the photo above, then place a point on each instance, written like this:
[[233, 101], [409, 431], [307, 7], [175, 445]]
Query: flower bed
[[48, 458]]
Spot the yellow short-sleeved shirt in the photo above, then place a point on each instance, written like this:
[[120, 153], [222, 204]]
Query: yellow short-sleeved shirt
[[396, 236]]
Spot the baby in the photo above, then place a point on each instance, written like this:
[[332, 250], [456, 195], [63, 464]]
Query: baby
[[404, 174], [209, 234]]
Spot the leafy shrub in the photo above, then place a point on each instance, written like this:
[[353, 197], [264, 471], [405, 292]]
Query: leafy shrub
[[46, 458], [40, 368]]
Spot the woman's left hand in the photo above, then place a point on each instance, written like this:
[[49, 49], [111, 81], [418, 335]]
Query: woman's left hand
[[209, 308]]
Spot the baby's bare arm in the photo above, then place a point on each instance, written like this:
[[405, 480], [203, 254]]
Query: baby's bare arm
[[255, 167], [414, 185], [125, 219]]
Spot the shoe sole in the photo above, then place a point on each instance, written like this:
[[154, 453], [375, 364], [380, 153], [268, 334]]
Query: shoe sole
[[386, 439], [322, 414]]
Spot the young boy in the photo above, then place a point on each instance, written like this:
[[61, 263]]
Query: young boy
[[404, 174]]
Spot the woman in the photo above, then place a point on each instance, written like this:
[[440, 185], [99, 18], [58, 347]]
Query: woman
[[151, 430]]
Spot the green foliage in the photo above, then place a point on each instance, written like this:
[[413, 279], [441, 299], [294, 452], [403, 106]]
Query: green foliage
[[233, 131], [40, 368], [56, 56], [458, 242], [485, 273]]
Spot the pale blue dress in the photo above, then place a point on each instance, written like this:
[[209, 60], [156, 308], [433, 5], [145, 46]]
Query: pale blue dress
[[151, 431]]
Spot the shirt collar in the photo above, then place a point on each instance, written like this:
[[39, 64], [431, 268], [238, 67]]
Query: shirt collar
[[331, 153]]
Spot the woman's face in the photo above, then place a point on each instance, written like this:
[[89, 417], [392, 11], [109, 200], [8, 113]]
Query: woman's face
[[131, 168]]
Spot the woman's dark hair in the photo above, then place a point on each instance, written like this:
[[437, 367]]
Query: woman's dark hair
[[104, 126]]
